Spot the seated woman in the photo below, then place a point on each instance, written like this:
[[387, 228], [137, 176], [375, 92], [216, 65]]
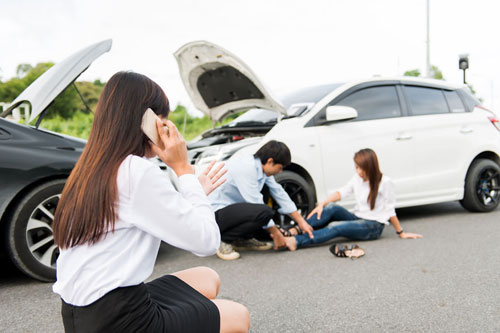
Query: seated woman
[[117, 207], [375, 201]]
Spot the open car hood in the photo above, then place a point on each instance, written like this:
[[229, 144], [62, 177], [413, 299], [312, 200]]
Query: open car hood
[[50, 84], [219, 83]]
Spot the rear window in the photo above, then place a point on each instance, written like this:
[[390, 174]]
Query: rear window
[[454, 101], [470, 101], [425, 101]]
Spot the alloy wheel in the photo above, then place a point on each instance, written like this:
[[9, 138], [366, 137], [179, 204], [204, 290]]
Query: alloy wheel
[[39, 233], [488, 187]]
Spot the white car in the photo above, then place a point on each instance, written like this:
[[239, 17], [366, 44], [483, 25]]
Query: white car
[[432, 138]]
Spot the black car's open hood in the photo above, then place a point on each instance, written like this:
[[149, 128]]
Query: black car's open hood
[[50, 84]]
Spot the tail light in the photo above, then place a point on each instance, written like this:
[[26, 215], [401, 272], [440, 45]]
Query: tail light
[[495, 121], [493, 118]]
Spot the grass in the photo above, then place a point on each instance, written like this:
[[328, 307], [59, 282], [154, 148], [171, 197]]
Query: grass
[[81, 123]]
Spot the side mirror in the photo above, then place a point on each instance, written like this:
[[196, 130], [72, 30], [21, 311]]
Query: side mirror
[[339, 112]]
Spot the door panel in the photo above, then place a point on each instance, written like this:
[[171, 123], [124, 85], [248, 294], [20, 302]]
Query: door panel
[[443, 131], [381, 126]]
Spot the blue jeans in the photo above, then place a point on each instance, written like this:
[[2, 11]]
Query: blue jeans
[[336, 221]]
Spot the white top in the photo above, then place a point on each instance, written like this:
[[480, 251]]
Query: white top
[[384, 205], [149, 211]]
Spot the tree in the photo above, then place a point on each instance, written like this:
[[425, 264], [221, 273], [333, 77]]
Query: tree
[[435, 73], [23, 69], [65, 105], [413, 72]]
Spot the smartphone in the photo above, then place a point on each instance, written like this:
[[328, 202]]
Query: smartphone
[[149, 128]]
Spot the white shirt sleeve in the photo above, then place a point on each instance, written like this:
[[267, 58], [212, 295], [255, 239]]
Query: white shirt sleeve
[[347, 190], [184, 219], [390, 197]]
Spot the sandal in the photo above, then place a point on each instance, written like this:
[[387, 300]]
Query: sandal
[[353, 251], [287, 232]]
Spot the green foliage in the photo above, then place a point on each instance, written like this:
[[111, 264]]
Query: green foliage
[[78, 125], [413, 72], [435, 73], [90, 92], [194, 126], [68, 114], [65, 105]]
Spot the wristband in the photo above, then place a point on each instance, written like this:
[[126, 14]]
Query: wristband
[[400, 232]]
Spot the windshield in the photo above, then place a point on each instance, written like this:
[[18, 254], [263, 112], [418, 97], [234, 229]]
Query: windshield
[[295, 103], [309, 95], [255, 116]]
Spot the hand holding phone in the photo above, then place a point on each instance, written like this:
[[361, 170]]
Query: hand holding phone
[[149, 127], [168, 143]]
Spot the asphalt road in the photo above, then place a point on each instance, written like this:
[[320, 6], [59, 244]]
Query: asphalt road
[[449, 281]]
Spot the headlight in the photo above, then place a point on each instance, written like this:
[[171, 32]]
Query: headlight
[[213, 154]]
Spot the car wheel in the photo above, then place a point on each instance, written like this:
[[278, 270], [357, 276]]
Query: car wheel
[[482, 186], [30, 239], [299, 190]]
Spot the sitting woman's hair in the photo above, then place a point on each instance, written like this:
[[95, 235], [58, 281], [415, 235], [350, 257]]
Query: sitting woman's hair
[[367, 160], [276, 150], [87, 208]]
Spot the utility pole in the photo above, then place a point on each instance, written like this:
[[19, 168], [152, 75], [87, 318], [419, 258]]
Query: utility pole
[[428, 58]]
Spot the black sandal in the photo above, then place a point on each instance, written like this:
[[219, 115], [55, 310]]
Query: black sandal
[[344, 251], [287, 233]]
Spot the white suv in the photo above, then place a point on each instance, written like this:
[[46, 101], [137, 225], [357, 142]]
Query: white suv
[[432, 138]]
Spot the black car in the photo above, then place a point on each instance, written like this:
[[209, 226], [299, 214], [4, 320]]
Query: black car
[[34, 165]]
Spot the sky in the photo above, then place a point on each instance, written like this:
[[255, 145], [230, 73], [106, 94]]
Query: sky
[[288, 44]]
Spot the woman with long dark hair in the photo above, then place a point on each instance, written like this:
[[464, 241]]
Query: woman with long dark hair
[[375, 207], [117, 207]]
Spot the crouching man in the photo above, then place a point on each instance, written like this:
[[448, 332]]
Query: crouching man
[[239, 208]]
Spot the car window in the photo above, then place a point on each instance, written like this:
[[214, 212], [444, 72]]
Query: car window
[[454, 101], [425, 101], [374, 102], [470, 101]]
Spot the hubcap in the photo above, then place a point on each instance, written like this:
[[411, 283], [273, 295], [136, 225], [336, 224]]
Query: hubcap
[[39, 234], [488, 187]]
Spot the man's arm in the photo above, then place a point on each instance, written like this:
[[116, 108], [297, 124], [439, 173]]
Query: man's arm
[[287, 206]]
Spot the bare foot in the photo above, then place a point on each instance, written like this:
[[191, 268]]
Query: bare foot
[[291, 243]]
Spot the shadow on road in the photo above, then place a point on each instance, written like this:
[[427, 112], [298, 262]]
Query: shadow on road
[[9, 272], [440, 209]]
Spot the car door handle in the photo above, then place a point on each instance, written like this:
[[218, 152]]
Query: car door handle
[[404, 137], [466, 130]]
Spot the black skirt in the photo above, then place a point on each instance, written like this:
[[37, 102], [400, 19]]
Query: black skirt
[[166, 304]]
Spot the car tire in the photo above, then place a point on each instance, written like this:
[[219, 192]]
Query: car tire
[[30, 241], [299, 190], [482, 186]]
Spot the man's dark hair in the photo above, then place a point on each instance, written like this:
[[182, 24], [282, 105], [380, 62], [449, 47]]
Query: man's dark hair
[[276, 150]]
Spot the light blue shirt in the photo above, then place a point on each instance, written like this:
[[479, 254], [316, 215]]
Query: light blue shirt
[[244, 182]]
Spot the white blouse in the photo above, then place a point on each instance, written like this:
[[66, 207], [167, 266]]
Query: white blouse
[[384, 205], [149, 210]]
